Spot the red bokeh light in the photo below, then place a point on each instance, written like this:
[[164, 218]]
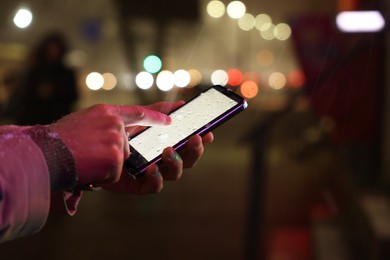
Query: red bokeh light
[[296, 79], [235, 77]]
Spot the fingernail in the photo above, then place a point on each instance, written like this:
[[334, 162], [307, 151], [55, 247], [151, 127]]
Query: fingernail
[[198, 147], [173, 156], [168, 120], [156, 172]]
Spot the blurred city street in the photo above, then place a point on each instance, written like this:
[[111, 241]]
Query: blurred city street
[[301, 174]]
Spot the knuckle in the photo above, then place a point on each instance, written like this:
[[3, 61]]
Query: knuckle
[[116, 138], [100, 107], [115, 162], [116, 156], [116, 121], [105, 109]]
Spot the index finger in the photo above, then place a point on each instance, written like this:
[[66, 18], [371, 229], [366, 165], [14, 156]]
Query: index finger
[[140, 116]]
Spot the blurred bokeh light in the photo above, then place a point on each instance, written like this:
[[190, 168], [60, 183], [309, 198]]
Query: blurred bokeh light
[[235, 77], [236, 9], [360, 21], [195, 77], [277, 80], [219, 77], [247, 22], [23, 18], [216, 9], [144, 80], [249, 89], [110, 81], [181, 78], [165, 80], [263, 22], [282, 31], [94, 81], [152, 64]]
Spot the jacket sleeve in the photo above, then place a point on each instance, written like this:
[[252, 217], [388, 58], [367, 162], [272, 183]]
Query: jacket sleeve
[[24, 185], [31, 160]]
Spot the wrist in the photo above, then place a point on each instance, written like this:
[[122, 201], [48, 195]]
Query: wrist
[[59, 159]]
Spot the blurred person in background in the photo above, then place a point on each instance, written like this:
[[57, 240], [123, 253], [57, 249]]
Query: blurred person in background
[[48, 88]]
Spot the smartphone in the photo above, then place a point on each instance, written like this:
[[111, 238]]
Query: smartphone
[[200, 115]]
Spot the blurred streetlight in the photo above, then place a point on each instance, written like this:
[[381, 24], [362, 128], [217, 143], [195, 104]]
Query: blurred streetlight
[[94, 81], [216, 9], [144, 80], [236, 9], [23, 18], [165, 80], [247, 22], [110, 81], [219, 77], [181, 78], [360, 21], [152, 64]]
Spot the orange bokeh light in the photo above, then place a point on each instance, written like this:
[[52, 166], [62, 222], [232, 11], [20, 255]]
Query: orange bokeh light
[[235, 77], [249, 89]]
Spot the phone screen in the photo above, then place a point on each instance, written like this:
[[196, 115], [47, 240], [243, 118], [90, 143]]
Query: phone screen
[[185, 121], [208, 109]]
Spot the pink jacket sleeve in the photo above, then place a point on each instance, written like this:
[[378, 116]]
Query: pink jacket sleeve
[[25, 186]]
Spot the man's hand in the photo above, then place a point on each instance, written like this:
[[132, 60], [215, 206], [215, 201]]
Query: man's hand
[[98, 139]]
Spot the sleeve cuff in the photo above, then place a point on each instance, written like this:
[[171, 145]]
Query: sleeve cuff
[[58, 157]]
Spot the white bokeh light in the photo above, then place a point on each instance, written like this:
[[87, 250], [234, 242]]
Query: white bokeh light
[[219, 77], [236, 9], [94, 81], [268, 34], [277, 80], [247, 22], [360, 21], [165, 81], [181, 78], [144, 80], [282, 31], [216, 9], [23, 18], [263, 22]]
